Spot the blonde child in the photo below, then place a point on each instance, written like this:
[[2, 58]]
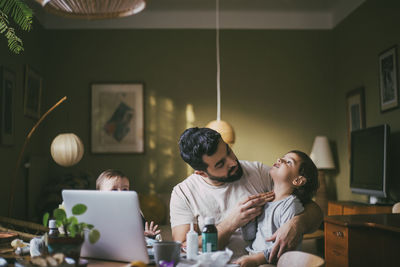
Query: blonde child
[[295, 178], [114, 180]]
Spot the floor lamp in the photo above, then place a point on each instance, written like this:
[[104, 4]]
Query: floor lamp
[[321, 155]]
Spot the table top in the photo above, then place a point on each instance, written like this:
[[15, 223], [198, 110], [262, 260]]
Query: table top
[[389, 222]]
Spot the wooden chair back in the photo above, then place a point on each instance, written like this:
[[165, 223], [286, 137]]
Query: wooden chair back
[[300, 259], [396, 208]]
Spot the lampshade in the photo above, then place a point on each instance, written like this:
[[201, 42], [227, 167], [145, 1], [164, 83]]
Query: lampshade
[[93, 9], [67, 149], [225, 129], [321, 153]]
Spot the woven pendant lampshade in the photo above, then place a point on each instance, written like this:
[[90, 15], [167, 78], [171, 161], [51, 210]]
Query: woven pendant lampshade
[[93, 9], [67, 149]]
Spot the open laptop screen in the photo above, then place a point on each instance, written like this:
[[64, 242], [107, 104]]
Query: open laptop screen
[[116, 214]]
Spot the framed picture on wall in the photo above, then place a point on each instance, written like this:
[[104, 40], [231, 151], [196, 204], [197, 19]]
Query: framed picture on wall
[[388, 81], [355, 111], [117, 118], [33, 93], [7, 91]]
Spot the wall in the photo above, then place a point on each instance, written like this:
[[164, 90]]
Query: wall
[[33, 55], [358, 41], [276, 92], [273, 83]]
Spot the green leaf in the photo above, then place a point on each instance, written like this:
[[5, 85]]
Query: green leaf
[[94, 236], [90, 226], [46, 218], [72, 220], [79, 209], [60, 215], [72, 230], [21, 13]]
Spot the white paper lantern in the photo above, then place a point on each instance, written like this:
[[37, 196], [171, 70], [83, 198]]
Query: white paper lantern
[[67, 149]]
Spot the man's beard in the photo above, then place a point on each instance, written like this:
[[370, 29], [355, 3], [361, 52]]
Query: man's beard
[[231, 177]]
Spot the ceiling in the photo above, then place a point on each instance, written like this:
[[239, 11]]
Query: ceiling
[[234, 14]]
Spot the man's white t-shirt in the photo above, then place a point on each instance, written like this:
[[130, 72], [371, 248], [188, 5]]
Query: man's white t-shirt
[[193, 199]]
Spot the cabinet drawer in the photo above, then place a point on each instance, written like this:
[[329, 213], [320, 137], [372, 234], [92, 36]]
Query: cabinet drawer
[[336, 257], [336, 236]]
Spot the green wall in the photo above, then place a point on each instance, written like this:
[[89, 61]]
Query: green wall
[[280, 88], [358, 41], [273, 83], [33, 55]]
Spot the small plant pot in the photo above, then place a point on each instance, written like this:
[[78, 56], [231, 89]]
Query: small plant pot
[[69, 246]]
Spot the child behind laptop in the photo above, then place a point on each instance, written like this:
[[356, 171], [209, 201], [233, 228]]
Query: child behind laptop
[[295, 178], [114, 180]]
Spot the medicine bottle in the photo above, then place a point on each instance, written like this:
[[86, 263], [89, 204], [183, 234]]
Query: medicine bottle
[[192, 243], [53, 230], [209, 235]]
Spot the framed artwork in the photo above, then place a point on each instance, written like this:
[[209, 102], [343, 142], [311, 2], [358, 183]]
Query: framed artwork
[[117, 118], [7, 89], [355, 111], [33, 93], [388, 79]]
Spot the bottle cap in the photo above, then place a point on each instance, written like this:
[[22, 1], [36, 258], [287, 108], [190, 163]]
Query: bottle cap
[[209, 220], [52, 224]]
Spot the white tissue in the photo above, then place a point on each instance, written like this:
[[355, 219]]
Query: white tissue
[[209, 259]]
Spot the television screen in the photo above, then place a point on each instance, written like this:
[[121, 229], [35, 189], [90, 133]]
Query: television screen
[[368, 162]]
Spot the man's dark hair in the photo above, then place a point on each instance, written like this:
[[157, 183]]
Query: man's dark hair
[[309, 171], [196, 142]]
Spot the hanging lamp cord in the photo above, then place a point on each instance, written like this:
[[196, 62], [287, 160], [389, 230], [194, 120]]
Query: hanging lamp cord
[[218, 63]]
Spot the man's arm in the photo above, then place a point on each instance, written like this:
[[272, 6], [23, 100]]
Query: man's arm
[[287, 237], [244, 212], [179, 233]]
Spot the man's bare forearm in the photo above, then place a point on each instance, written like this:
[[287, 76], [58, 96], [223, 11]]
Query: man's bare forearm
[[225, 231], [310, 219]]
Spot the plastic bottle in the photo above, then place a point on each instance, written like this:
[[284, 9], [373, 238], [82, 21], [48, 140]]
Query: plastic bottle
[[209, 236], [192, 243], [53, 230]]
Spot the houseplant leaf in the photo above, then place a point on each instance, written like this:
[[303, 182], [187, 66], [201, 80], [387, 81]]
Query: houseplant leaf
[[46, 218], [94, 236], [79, 209]]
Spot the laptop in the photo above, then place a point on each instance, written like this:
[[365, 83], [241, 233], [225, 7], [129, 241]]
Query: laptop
[[116, 214]]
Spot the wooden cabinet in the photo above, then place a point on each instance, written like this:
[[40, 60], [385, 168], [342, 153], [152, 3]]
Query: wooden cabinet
[[351, 208], [362, 240]]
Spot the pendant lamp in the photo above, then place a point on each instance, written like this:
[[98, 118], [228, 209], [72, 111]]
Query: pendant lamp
[[67, 149], [223, 127], [93, 9]]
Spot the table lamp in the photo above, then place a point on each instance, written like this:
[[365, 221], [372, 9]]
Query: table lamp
[[321, 155]]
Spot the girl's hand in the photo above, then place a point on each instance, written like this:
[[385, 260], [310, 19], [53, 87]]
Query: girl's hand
[[151, 230], [246, 261], [251, 260]]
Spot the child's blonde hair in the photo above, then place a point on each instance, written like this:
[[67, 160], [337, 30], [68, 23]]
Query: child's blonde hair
[[107, 175]]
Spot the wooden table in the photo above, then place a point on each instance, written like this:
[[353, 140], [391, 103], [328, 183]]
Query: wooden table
[[362, 240]]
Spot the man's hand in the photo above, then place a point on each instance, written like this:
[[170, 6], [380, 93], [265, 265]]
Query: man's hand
[[249, 208], [286, 238], [245, 211]]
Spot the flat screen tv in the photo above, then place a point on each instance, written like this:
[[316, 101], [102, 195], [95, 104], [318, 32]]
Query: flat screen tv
[[369, 162]]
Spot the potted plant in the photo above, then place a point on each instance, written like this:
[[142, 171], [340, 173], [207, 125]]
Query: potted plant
[[71, 239]]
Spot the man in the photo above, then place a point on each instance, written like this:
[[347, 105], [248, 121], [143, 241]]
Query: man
[[230, 191]]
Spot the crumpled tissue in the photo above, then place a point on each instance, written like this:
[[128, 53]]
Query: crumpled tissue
[[209, 259]]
